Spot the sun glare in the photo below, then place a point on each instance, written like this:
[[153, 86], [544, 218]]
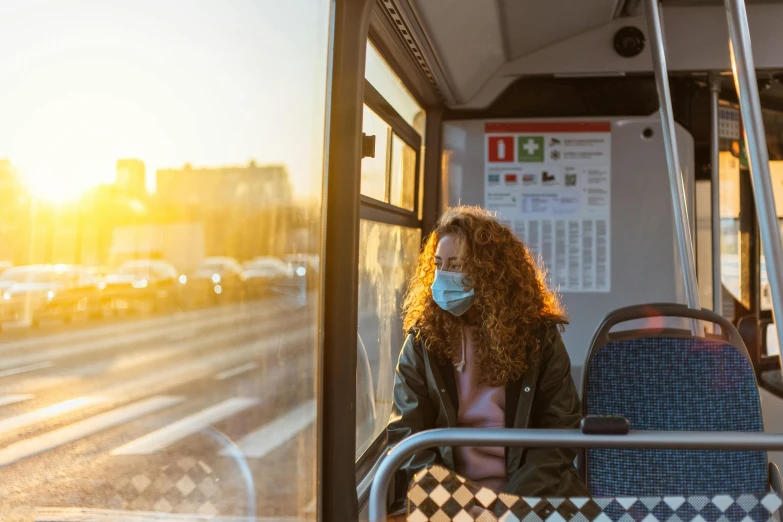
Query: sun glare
[[70, 146]]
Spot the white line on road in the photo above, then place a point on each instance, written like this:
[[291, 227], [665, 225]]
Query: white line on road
[[54, 439], [5, 400], [133, 339], [266, 439], [28, 368], [164, 437], [116, 330], [177, 375], [233, 372], [49, 412]]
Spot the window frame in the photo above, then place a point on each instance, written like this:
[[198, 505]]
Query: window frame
[[374, 210]]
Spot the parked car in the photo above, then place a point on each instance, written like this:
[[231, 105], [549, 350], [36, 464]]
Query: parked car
[[262, 274], [215, 280], [50, 292], [16, 274], [142, 285], [303, 267]]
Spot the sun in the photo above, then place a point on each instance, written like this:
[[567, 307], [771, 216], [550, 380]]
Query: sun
[[70, 145]]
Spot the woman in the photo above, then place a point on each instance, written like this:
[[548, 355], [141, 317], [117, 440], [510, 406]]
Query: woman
[[484, 350]]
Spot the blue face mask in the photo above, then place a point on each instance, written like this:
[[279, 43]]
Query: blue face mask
[[448, 291]]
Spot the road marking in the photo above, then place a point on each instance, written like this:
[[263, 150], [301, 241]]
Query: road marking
[[54, 439], [49, 412], [116, 343], [266, 439], [28, 368], [33, 384], [5, 400], [118, 330], [177, 375], [164, 437], [233, 372]]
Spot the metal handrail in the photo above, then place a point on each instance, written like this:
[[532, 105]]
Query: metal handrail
[[681, 222], [744, 70], [690, 440]]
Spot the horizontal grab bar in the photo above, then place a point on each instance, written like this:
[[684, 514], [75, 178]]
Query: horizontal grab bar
[[689, 440]]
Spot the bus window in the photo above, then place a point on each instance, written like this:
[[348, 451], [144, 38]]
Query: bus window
[[161, 172], [776, 171], [772, 341], [388, 258], [388, 84], [374, 181], [403, 174], [730, 224], [389, 241]]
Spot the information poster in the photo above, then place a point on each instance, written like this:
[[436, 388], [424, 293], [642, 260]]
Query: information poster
[[550, 182]]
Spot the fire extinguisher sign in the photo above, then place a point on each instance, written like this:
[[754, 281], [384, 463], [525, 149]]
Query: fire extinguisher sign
[[500, 149]]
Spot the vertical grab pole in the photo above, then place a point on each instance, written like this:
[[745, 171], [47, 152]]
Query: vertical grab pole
[[717, 284], [744, 70], [684, 241]]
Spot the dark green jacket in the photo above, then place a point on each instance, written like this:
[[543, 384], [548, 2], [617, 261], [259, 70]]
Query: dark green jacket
[[425, 397]]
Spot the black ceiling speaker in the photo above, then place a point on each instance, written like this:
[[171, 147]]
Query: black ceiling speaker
[[629, 42]]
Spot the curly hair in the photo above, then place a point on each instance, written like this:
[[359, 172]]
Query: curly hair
[[512, 299]]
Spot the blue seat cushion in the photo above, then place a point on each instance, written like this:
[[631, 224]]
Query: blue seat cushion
[[674, 384]]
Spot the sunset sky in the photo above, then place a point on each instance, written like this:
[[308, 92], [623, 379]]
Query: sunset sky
[[85, 82]]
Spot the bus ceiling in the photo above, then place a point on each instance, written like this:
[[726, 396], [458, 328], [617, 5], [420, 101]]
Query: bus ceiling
[[468, 57]]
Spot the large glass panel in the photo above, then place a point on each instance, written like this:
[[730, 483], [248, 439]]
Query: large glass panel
[[389, 85], [387, 259], [776, 171], [403, 174], [374, 170], [729, 224], [161, 170]]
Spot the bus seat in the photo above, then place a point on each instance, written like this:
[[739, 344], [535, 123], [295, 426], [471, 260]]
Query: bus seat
[[666, 379], [439, 494]]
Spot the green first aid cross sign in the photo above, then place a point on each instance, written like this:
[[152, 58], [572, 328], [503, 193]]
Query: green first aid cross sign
[[530, 149]]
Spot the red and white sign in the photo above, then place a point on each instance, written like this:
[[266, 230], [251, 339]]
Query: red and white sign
[[501, 149], [550, 182]]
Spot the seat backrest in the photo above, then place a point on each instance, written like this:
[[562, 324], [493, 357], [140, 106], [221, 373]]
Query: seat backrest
[[669, 380]]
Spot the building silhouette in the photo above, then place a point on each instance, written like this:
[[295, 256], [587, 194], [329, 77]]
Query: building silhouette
[[251, 185], [131, 178]]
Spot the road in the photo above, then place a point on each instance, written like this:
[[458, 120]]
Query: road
[[207, 412]]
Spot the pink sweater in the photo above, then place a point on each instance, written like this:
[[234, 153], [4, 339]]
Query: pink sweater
[[480, 406]]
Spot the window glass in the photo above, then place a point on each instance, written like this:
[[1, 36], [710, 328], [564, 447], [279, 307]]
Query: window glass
[[374, 169], [388, 84], [403, 174], [776, 172], [773, 343], [729, 224], [154, 146], [387, 259]]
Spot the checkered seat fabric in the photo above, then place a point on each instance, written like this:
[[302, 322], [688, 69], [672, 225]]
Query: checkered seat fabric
[[440, 495], [674, 384]]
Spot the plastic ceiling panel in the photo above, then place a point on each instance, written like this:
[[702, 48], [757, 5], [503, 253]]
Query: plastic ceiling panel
[[531, 24], [466, 37]]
